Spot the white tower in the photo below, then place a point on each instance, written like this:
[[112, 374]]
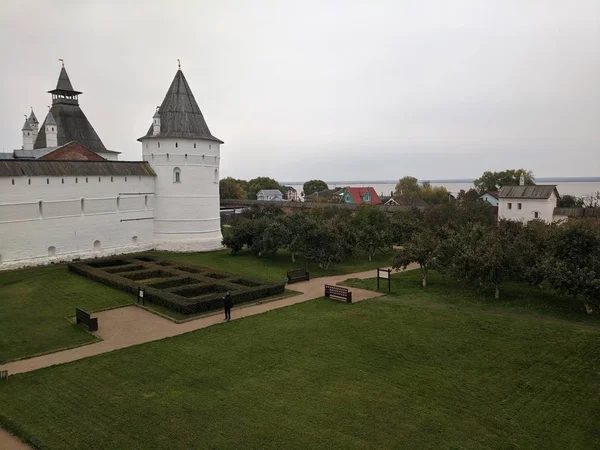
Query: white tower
[[28, 138], [34, 124], [156, 122], [51, 131], [185, 156]]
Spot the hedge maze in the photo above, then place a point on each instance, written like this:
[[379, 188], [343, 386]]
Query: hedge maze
[[184, 289]]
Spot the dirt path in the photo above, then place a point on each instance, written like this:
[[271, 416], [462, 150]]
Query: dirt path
[[10, 442]]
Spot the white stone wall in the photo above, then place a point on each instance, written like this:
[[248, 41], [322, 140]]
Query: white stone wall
[[187, 212], [109, 156], [51, 219], [545, 208]]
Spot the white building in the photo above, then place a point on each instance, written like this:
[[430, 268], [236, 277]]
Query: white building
[[65, 196], [269, 195], [526, 203], [491, 197]]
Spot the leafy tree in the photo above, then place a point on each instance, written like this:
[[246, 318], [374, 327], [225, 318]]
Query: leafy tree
[[573, 263], [422, 249], [312, 186], [407, 188], [324, 245], [260, 211], [273, 237], [493, 181], [371, 227], [433, 195], [241, 233], [570, 201], [231, 188], [298, 226], [486, 256], [469, 196], [257, 184], [404, 224]]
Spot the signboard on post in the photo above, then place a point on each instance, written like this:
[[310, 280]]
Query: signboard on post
[[385, 274]]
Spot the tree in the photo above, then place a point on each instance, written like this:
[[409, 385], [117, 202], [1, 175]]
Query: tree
[[371, 227], [323, 245], [421, 249], [407, 188], [433, 195], [493, 181], [298, 226], [257, 184], [404, 224], [486, 256], [570, 201], [469, 196], [573, 263], [312, 186], [231, 188], [273, 237]]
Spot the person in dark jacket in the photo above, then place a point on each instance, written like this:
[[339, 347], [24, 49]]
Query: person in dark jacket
[[228, 304]]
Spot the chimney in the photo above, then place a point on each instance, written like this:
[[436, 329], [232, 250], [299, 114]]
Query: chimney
[[522, 180]]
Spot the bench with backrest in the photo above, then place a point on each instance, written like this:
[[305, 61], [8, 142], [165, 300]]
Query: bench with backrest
[[338, 292], [82, 317], [294, 276]]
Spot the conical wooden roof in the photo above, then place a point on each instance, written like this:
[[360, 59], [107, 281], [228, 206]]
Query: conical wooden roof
[[180, 116]]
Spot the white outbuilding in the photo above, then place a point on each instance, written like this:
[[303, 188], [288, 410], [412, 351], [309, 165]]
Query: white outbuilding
[[527, 203]]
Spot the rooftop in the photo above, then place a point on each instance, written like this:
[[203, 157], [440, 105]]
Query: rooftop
[[539, 191]]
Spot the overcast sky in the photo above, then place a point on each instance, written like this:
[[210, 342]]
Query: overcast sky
[[338, 90]]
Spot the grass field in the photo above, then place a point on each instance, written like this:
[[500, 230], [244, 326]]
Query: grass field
[[516, 298], [378, 374], [274, 268], [35, 305]]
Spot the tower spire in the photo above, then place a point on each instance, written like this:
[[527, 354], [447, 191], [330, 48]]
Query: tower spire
[[178, 64]]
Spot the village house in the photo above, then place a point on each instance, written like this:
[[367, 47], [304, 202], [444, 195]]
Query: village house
[[359, 195], [525, 203], [269, 195], [491, 197], [291, 194]]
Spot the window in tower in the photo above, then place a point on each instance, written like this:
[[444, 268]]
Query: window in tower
[[176, 175]]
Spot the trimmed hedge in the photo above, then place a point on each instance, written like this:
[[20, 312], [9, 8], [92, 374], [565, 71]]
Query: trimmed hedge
[[186, 289]]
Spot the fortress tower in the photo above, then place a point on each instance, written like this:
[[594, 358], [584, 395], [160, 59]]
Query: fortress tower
[[185, 156]]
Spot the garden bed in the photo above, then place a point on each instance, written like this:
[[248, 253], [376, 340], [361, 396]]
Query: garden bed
[[184, 289]]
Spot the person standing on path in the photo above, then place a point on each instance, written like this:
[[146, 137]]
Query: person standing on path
[[228, 303]]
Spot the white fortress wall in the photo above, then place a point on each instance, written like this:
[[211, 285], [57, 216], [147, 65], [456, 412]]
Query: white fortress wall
[[48, 219]]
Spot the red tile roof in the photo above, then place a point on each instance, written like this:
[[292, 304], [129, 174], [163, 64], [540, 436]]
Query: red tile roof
[[357, 194]]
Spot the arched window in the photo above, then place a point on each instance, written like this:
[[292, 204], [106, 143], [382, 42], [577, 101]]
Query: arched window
[[111, 179], [216, 180], [62, 180], [159, 145], [86, 179], [145, 201], [76, 180], [194, 145], [118, 202], [176, 145], [29, 181], [176, 175], [97, 245], [82, 206], [134, 240], [40, 209], [47, 180], [99, 180], [52, 250], [125, 179], [167, 156]]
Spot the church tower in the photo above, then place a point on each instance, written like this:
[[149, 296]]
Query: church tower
[[30, 131], [185, 156]]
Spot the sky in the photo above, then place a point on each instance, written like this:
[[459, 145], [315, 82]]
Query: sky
[[329, 89]]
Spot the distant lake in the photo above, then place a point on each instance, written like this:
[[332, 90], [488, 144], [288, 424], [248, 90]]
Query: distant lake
[[578, 187]]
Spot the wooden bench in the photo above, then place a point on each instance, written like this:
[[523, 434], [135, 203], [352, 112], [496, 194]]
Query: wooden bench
[[82, 317], [338, 292], [294, 276]]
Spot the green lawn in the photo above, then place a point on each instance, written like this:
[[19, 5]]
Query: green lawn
[[323, 374], [515, 298], [35, 304], [273, 268]]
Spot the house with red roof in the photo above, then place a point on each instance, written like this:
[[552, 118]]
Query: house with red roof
[[359, 195]]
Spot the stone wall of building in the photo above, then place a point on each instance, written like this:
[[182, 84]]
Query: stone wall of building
[[51, 219]]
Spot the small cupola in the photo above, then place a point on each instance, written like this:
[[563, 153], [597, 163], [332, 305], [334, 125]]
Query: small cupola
[[28, 135], [156, 122]]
